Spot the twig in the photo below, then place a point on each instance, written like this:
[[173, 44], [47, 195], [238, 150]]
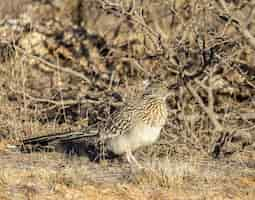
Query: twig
[[238, 24], [134, 17], [53, 66], [208, 110], [248, 36], [64, 103]]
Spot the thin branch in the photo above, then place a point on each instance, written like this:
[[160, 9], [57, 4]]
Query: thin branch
[[64, 103], [241, 26], [211, 114], [135, 17], [54, 66], [248, 36]]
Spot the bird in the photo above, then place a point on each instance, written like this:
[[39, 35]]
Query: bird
[[137, 124]]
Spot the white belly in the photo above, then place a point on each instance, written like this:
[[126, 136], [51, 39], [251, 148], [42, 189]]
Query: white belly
[[140, 136]]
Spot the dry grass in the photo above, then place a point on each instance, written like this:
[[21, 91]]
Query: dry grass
[[43, 176], [77, 64]]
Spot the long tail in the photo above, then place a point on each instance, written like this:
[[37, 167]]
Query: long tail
[[86, 141], [78, 142], [60, 137]]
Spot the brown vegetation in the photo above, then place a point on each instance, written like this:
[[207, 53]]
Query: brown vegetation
[[68, 64]]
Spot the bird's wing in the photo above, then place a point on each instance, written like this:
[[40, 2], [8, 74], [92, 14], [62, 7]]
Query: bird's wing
[[119, 123]]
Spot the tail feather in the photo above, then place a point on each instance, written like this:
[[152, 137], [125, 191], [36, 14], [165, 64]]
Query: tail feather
[[86, 141], [58, 137]]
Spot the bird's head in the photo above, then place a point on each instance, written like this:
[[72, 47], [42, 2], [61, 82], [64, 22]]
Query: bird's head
[[156, 89]]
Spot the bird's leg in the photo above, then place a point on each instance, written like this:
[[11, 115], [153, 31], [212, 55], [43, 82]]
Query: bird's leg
[[128, 157], [131, 159], [135, 161]]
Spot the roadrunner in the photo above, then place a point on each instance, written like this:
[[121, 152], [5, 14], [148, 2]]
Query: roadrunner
[[138, 124]]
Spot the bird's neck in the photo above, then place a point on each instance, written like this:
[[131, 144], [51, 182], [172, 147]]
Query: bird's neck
[[155, 110]]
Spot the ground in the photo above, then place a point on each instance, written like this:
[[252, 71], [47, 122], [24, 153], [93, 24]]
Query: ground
[[54, 176]]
